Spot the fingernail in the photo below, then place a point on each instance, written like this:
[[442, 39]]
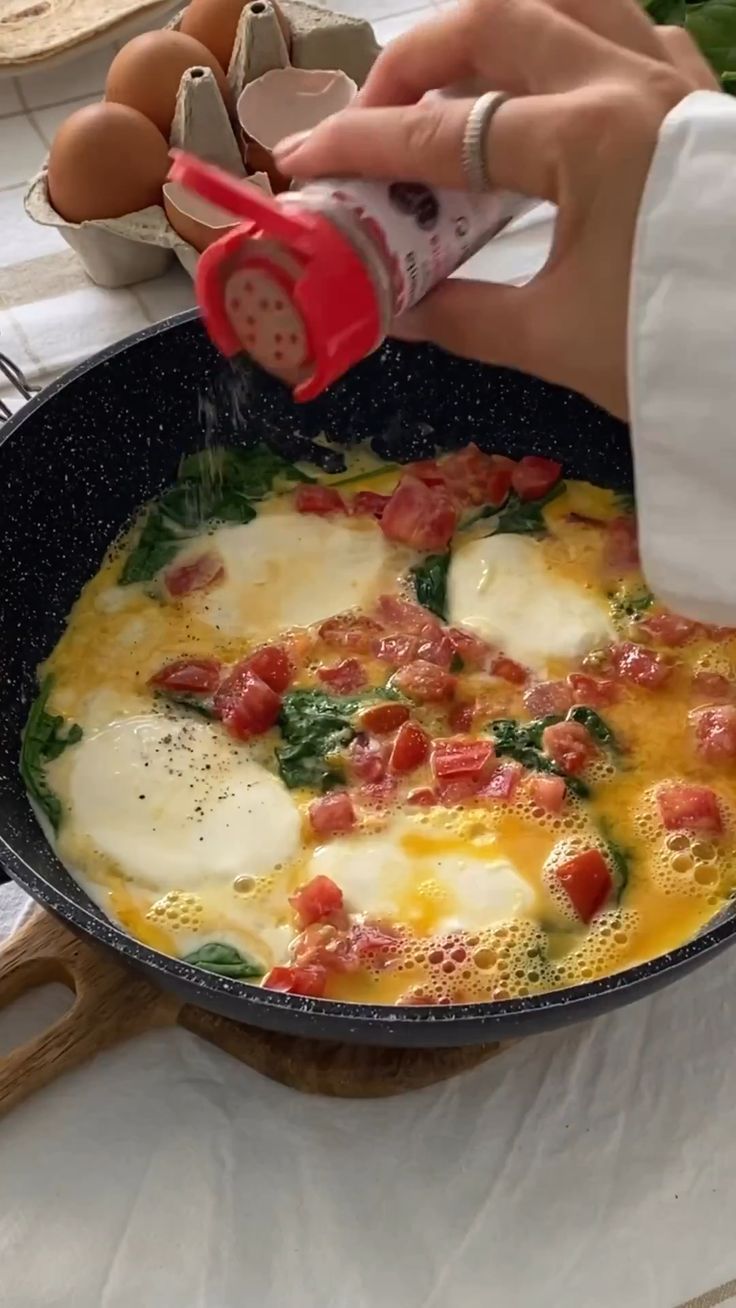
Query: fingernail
[[289, 146]]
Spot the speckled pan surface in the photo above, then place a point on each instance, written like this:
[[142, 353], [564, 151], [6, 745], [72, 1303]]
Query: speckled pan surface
[[87, 452]]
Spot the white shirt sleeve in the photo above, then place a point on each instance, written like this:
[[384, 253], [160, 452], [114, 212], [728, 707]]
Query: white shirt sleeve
[[682, 361]]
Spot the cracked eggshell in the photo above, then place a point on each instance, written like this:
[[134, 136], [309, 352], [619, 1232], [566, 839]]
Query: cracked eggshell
[[195, 220], [288, 100]]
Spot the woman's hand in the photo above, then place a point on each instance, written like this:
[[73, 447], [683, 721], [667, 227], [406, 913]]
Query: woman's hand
[[592, 81]]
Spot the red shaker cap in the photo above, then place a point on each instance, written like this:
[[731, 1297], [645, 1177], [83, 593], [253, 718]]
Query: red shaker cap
[[313, 312]]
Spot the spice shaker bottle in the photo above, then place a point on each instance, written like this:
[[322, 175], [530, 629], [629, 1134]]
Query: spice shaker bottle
[[309, 281]]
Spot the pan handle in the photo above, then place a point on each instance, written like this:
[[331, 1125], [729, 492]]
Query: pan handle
[[111, 1004]]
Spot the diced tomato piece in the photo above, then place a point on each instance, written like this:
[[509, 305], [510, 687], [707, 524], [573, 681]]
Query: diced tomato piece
[[509, 670], [369, 504], [595, 692], [345, 676], [199, 676], [533, 476], [640, 666], [690, 808], [621, 546], [548, 697], [372, 944], [332, 814], [436, 649], [462, 758], [404, 616], [247, 706], [548, 793], [428, 471], [503, 783], [419, 516], [410, 748], [325, 944], [201, 574], [367, 758], [311, 981], [383, 718], [321, 897], [669, 628], [423, 797], [424, 682], [587, 882], [569, 745], [473, 477], [318, 499], [377, 794], [715, 732], [351, 631], [272, 664], [712, 685], [461, 716], [396, 650], [719, 633], [473, 650], [456, 790]]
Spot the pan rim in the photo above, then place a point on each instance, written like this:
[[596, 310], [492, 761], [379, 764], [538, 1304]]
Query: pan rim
[[571, 999]]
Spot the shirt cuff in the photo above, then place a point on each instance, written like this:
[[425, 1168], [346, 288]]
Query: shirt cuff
[[682, 361]]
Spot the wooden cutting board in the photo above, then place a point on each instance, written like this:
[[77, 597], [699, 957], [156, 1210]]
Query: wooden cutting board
[[113, 1003]]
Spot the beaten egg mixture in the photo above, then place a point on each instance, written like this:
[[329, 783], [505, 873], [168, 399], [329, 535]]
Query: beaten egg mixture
[[372, 874]]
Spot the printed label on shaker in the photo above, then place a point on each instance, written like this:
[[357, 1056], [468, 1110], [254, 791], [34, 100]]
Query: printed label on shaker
[[422, 234]]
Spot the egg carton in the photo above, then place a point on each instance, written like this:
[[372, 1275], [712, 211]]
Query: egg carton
[[139, 246]]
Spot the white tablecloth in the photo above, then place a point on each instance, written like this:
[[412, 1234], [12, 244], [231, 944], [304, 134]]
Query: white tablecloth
[[590, 1169]]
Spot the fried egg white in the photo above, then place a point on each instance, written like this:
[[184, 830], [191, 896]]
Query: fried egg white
[[174, 805], [413, 873], [502, 588], [286, 569]]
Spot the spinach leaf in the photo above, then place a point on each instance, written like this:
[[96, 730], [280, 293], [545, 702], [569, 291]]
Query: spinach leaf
[[224, 960], [45, 737], [619, 859], [430, 583], [594, 723], [215, 485], [522, 741], [625, 502], [202, 705], [254, 472], [525, 517], [629, 604], [315, 727]]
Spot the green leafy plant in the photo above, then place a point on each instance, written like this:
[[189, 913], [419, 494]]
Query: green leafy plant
[[520, 517], [45, 737], [626, 604], [712, 25], [618, 857], [225, 961], [669, 12], [216, 485], [594, 723], [430, 583], [523, 741], [202, 705], [316, 727]]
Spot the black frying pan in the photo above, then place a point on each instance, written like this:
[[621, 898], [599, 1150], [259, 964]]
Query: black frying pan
[[84, 455]]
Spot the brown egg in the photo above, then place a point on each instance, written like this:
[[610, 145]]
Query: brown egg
[[196, 221], [106, 160], [147, 72], [215, 24]]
